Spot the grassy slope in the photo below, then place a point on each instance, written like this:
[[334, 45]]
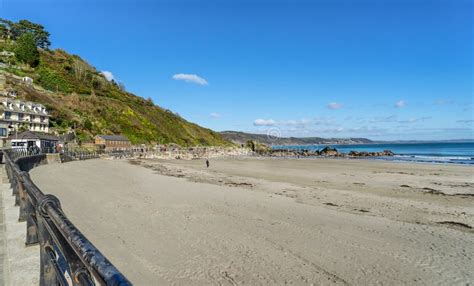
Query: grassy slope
[[83, 98]]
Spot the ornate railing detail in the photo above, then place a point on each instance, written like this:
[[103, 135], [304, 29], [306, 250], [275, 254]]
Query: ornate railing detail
[[67, 257]]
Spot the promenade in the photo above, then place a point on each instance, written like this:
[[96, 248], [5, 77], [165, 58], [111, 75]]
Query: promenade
[[19, 265]]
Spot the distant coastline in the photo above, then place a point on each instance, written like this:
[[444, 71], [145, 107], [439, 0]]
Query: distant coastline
[[238, 137]]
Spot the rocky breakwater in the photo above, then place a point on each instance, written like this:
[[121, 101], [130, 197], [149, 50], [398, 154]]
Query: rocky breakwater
[[385, 153], [325, 152]]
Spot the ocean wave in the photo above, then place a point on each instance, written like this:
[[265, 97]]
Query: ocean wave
[[434, 159]]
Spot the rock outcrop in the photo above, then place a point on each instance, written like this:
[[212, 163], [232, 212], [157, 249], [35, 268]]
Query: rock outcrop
[[385, 153], [325, 152]]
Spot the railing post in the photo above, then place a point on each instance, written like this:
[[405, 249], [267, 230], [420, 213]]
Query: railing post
[[48, 275], [15, 192], [31, 226], [23, 200]]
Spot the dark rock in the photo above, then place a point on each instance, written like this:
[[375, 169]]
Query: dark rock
[[329, 151]]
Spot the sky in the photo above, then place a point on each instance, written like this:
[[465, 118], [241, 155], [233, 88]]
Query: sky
[[385, 70]]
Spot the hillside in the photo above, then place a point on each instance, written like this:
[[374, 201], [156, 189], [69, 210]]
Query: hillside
[[242, 138], [79, 97]]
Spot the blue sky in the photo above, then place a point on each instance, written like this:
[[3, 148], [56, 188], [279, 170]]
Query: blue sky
[[393, 69]]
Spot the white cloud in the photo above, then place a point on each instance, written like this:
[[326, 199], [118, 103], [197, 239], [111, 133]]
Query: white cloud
[[193, 78], [215, 115], [299, 123], [367, 130], [467, 121], [334, 105], [414, 120], [443, 102], [400, 104], [383, 119], [108, 75], [264, 122]]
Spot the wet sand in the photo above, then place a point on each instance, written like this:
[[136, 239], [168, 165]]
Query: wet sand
[[270, 221]]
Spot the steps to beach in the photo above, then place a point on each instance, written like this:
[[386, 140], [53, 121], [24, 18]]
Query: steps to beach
[[19, 265]]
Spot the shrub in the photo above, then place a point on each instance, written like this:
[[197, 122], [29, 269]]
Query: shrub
[[49, 79]]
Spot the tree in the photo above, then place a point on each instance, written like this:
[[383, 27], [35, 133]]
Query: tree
[[149, 101], [26, 50], [3, 31], [5, 28], [40, 35], [87, 124]]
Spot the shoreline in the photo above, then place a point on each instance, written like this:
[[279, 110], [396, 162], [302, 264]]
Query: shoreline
[[388, 159]]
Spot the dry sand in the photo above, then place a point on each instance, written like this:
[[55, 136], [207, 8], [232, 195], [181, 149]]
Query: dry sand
[[273, 221]]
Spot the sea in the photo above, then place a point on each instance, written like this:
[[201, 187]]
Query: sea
[[451, 152]]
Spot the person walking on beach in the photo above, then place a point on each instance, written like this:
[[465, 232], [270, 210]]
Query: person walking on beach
[[207, 163]]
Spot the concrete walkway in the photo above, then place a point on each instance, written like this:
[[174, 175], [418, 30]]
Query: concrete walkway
[[3, 245], [19, 265]]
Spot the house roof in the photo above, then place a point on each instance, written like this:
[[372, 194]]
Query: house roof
[[113, 137], [34, 135], [28, 107]]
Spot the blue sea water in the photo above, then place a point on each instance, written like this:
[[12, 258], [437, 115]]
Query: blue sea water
[[459, 152]]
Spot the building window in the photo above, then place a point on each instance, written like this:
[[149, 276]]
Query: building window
[[3, 132], [42, 118], [8, 115], [21, 116]]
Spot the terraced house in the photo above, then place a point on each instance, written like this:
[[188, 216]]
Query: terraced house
[[18, 115]]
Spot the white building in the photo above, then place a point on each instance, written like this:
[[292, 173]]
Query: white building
[[6, 54], [16, 114], [33, 140], [27, 80]]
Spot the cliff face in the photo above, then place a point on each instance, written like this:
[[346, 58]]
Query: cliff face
[[78, 96]]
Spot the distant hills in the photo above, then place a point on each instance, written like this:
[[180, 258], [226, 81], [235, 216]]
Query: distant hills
[[242, 138]]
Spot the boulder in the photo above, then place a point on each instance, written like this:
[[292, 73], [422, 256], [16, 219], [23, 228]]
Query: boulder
[[329, 151]]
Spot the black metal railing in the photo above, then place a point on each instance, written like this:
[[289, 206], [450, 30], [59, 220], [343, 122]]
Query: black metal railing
[[67, 256]]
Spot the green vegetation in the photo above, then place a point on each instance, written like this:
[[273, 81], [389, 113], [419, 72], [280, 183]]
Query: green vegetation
[[26, 50], [79, 97], [13, 31]]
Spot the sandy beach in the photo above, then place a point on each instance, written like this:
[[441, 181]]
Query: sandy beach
[[273, 221]]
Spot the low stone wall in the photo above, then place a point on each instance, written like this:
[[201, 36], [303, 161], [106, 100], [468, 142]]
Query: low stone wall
[[194, 153]]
